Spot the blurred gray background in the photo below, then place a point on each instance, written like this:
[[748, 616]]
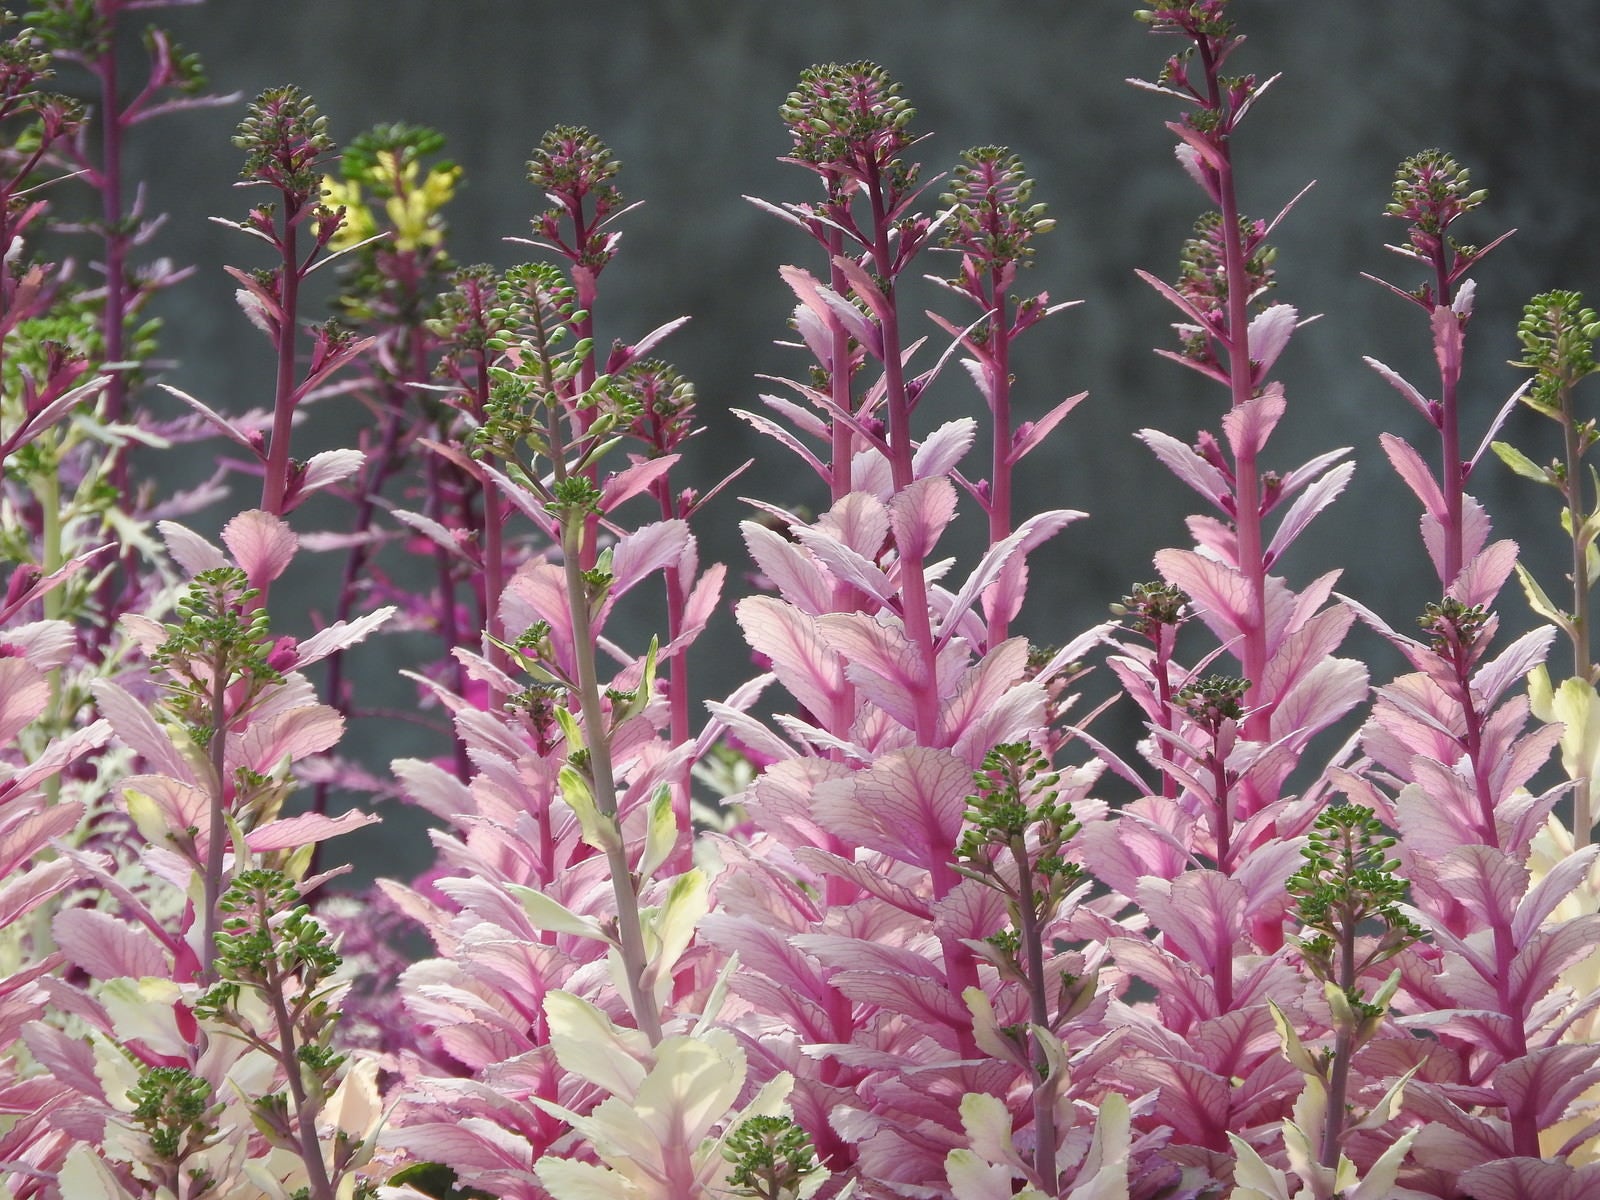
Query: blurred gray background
[[686, 92]]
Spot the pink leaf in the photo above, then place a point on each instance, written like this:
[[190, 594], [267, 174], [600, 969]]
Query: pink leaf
[[23, 833], [800, 658], [1029, 434], [832, 307], [1489, 882], [1030, 534], [137, 729], [642, 551], [189, 550], [1249, 425], [1550, 951], [1409, 466], [1447, 339], [24, 695], [1556, 885], [629, 482], [328, 467], [1543, 1082], [1187, 465], [878, 657], [1485, 574], [1221, 595], [1201, 915], [909, 805], [291, 735], [1269, 332], [1513, 663], [262, 544], [1320, 697], [305, 830], [1413, 397], [845, 562], [341, 635], [1307, 505], [942, 449], [1525, 1178], [108, 948], [919, 514]]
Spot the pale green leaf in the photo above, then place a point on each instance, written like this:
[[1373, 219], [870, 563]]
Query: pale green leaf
[[688, 899], [1379, 1183], [661, 834], [986, 1029], [587, 1043], [1253, 1179], [85, 1176], [693, 1085], [551, 915], [973, 1179], [1540, 602], [599, 830], [988, 1128], [1520, 462], [1299, 1057], [1104, 1175], [569, 1179]]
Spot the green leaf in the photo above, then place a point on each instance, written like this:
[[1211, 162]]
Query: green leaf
[[1540, 602], [1521, 463]]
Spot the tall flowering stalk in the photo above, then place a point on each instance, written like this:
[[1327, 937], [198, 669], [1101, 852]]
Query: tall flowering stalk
[[991, 222], [1449, 763], [566, 846], [1198, 863], [860, 933], [285, 141]]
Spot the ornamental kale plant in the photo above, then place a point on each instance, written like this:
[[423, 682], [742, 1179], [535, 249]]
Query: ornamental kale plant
[[942, 899]]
